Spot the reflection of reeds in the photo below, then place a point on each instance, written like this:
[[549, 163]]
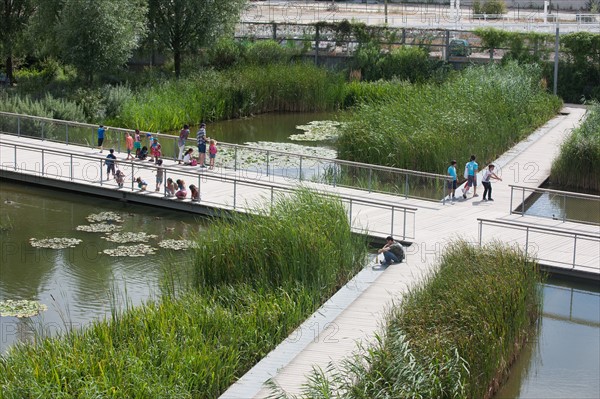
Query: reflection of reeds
[[454, 336], [251, 282], [481, 111], [578, 164]]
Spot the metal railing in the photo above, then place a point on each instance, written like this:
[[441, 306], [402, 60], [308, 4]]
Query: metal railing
[[89, 169], [561, 201], [258, 162], [551, 242]]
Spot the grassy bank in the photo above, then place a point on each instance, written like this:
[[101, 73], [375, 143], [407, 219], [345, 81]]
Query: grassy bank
[[422, 127], [195, 342], [578, 164], [453, 337]]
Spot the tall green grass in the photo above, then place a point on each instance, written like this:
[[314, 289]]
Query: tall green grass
[[251, 282], [455, 336], [211, 95], [578, 164], [482, 111]]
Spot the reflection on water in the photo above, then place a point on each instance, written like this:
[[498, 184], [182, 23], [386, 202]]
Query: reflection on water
[[564, 362], [77, 284], [563, 208]]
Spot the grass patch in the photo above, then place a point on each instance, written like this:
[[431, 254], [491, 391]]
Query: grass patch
[[422, 127], [578, 164], [250, 283], [455, 336]]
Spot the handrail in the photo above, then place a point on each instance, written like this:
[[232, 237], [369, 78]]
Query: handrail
[[403, 175], [234, 180], [544, 230], [564, 194]]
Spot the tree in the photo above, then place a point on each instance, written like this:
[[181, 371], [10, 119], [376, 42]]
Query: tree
[[185, 25], [14, 15], [99, 35]]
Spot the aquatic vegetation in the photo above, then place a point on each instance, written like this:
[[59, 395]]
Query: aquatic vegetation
[[454, 336], [253, 158], [578, 164], [99, 228], [131, 250], [104, 217], [21, 308], [177, 245], [54, 243], [129, 237], [318, 131]]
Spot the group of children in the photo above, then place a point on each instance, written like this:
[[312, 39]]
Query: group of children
[[134, 146], [471, 170]]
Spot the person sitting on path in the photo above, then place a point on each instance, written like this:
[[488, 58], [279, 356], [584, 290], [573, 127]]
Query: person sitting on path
[[170, 187], [110, 163], [487, 185], [142, 185], [143, 153], [194, 193], [471, 169], [181, 190], [120, 178], [183, 136], [392, 252], [452, 180], [188, 159]]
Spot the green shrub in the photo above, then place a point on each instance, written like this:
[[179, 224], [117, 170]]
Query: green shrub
[[578, 164], [225, 54], [406, 63], [264, 52], [113, 98]]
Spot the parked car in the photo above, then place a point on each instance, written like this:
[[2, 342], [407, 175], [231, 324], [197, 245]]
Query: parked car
[[459, 48]]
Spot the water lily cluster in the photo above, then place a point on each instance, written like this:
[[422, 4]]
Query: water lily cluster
[[21, 308], [128, 237], [177, 245], [131, 250], [318, 131], [54, 243], [104, 217], [99, 228]]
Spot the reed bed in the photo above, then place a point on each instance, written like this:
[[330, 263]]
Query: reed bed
[[578, 164], [455, 336], [196, 340], [211, 95], [482, 111]]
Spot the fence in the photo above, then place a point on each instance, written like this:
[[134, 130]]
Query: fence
[[566, 206], [249, 162], [555, 247], [226, 192]]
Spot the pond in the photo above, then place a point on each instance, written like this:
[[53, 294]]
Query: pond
[[559, 207], [564, 360]]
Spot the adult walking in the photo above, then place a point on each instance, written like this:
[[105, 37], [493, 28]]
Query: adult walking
[[471, 169], [101, 131], [452, 180], [183, 136], [487, 184], [201, 141]]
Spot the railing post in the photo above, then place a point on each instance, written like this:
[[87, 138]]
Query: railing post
[[564, 207], [392, 227], [512, 189], [15, 157], [43, 162], [42, 130], [235, 155], [523, 201], [480, 232], [132, 176], [350, 213], [71, 166], [93, 145], [199, 192], [268, 154], [406, 186], [404, 226], [300, 172], [370, 176], [234, 192], [67, 133], [101, 173], [18, 126], [526, 241], [574, 250]]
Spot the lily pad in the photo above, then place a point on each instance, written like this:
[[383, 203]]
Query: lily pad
[[128, 237], [104, 217], [99, 228], [318, 131], [21, 308], [131, 250], [54, 243], [177, 245]]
